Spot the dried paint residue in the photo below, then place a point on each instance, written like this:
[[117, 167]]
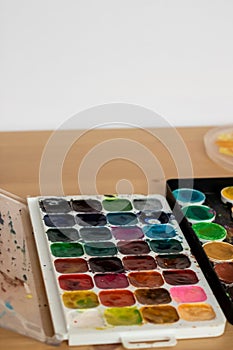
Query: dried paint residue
[[59, 220], [219, 250], [133, 247], [95, 233], [150, 279], [86, 205], [1, 219], [67, 249], [122, 218], [147, 204], [123, 316], [169, 246], [196, 312], [152, 296], [209, 231], [10, 224], [173, 261], [63, 235], [227, 192], [180, 277], [160, 314], [188, 294], [106, 264], [54, 205], [76, 282], [111, 281], [80, 299], [198, 213], [100, 248], [139, 263], [117, 204], [71, 265], [160, 231], [127, 233], [91, 219], [225, 272], [117, 298], [14, 282]]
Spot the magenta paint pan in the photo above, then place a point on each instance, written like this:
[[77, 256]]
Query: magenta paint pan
[[119, 267], [212, 241]]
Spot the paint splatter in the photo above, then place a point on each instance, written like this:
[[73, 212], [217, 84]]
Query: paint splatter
[[14, 282], [10, 224], [1, 220], [8, 305]]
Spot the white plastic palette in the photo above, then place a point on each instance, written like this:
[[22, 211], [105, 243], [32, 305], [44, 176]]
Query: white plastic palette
[[119, 269]]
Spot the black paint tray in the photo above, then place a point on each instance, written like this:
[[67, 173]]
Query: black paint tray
[[211, 187]]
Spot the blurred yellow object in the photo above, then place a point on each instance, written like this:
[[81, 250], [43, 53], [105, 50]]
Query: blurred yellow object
[[227, 151], [225, 143], [218, 143]]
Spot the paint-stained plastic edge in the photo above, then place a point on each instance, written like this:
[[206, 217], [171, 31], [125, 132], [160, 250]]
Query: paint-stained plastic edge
[[41, 328]]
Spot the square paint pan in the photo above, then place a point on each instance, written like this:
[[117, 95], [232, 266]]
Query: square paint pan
[[119, 269], [211, 243]]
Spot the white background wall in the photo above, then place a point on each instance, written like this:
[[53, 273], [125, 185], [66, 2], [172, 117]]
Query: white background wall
[[59, 57]]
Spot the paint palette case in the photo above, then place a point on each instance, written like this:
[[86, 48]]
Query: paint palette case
[[213, 238], [118, 269]]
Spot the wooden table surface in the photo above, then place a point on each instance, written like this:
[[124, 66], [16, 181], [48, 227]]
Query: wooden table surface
[[103, 161]]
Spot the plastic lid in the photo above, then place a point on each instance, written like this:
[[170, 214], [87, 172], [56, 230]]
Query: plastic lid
[[23, 302]]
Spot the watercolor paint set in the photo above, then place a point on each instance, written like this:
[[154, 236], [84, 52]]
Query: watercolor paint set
[[207, 207], [119, 269]]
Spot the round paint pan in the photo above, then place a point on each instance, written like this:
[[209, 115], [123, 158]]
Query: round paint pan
[[209, 231], [224, 271], [227, 195], [186, 196], [198, 213], [219, 251]]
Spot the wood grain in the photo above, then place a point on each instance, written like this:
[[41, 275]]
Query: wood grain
[[109, 161]]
